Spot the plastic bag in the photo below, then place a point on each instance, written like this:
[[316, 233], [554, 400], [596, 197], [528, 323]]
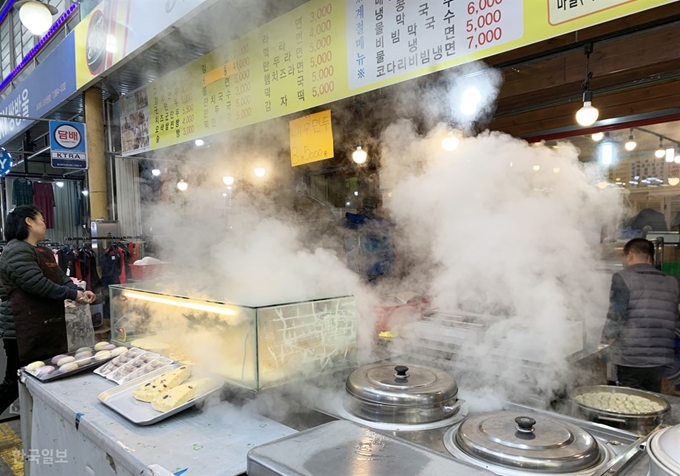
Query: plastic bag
[[79, 329]]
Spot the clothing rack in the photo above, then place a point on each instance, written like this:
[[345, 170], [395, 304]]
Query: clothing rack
[[102, 238]]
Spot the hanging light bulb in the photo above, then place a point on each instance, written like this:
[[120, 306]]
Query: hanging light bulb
[[631, 144], [36, 16], [556, 170], [228, 180], [587, 115], [259, 171], [182, 186], [660, 152], [537, 168], [602, 185], [156, 172], [450, 143], [598, 136], [359, 156], [673, 181]]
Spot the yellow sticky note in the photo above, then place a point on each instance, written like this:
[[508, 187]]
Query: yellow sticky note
[[311, 138]]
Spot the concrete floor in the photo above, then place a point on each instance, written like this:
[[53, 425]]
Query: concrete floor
[[11, 459]]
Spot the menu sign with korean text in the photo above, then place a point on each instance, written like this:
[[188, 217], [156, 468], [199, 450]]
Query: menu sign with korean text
[[311, 138], [326, 50]]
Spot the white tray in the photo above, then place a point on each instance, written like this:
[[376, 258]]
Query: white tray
[[121, 401]]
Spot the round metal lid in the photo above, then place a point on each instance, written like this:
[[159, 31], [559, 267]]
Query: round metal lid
[[528, 442], [665, 447], [387, 383]]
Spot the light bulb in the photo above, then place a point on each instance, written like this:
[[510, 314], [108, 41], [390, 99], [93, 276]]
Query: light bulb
[[228, 180], [59, 184], [470, 100], [673, 181], [359, 156], [587, 115], [85, 192], [556, 170], [602, 185], [660, 153], [670, 154], [537, 168], [156, 172], [199, 142], [450, 143], [259, 171], [356, 194], [224, 194], [598, 136], [36, 17], [631, 144], [182, 186]]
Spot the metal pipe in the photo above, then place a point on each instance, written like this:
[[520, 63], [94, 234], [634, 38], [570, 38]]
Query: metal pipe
[[37, 153], [2, 205], [25, 118]]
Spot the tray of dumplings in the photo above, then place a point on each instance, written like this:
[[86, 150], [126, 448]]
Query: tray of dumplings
[[65, 365], [160, 394], [132, 364]]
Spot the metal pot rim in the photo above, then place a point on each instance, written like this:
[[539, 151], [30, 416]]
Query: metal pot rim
[[659, 456]]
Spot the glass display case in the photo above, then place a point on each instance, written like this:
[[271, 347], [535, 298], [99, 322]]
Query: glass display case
[[252, 346]]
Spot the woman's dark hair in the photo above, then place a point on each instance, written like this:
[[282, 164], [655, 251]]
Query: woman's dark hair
[[15, 225]]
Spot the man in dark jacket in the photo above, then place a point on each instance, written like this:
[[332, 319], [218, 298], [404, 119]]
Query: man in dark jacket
[[642, 318]]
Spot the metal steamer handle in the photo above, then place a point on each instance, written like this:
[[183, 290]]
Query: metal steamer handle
[[525, 425], [402, 373]]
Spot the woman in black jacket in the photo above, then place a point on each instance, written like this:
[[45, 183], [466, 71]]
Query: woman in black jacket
[[32, 289]]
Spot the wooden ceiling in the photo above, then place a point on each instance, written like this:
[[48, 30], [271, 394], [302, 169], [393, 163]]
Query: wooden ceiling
[[635, 65]]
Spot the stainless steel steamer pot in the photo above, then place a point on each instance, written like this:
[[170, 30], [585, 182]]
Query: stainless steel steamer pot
[[639, 423], [664, 452], [406, 394]]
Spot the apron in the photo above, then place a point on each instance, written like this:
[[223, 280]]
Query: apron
[[40, 322]]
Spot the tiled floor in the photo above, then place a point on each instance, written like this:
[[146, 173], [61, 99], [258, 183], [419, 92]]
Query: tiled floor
[[11, 460]]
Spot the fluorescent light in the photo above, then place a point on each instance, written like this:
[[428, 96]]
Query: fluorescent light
[[470, 100], [180, 302], [670, 154], [607, 153]]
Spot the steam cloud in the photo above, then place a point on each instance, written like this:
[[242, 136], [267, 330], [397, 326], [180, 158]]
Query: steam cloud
[[497, 227]]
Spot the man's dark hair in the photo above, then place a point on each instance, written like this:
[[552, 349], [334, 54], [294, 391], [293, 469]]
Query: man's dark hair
[[640, 247], [15, 225]]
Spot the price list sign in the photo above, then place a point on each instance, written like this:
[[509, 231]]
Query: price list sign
[[388, 38], [286, 66], [326, 50]]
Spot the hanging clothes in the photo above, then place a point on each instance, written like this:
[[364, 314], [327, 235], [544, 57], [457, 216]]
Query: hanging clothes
[[67, 261], [43, 196], [22, 192]]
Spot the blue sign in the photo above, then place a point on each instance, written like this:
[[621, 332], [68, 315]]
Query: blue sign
[[68, 144], [50, 84], [5, 161]]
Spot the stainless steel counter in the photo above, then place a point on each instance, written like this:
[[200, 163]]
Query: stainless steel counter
[[65, 417]]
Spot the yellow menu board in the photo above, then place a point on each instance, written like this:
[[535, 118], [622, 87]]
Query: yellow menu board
[[311, 138], [326, 50]]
